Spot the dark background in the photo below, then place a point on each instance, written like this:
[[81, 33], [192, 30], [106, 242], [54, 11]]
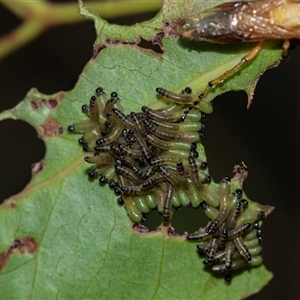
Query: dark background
[[265, 137]]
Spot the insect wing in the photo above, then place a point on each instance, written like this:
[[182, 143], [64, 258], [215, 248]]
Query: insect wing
[[244, 21], [212, 25]]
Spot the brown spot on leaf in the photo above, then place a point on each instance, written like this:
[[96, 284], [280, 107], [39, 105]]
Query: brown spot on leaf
[[171, 231], [97, 49], [26, 244], [171, 29], [21, 246], [51, 128], [37, 168], [34, 105], [52, 103], [3, 259], [158, 39], [140, 228]]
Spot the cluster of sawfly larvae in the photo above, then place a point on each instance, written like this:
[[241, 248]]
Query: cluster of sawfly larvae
[[150, 160], [232, 239]]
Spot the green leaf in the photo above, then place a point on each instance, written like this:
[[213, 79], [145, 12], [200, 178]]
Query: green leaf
[[64, 236]]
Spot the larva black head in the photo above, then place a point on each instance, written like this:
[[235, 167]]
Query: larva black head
[[81, 141], [120, 201], [117, 190], [255, 225], [238, 193], [244, 203], [261, 215], [207, 179], [124, 132], [187, 90], [203, 165], [179, 164], [193, 146], [99, 91], [99, 142], [204, 205], [85, 108], [103, 180], [207, 262], [201, 134], [71, 128], [228, 277], [226, 179], [92, 174], [203, 116], [85, 148], [259, 232], [112, 184], [114, 95], [228, 265], [195, 154]]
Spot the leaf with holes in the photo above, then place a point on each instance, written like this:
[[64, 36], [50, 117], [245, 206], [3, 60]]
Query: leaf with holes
[[65, 237]]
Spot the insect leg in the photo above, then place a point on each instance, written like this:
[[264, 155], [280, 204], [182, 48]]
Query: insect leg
[[251, 55], [286, 46]]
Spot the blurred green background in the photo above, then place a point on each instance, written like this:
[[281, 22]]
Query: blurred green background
[[266, 137]]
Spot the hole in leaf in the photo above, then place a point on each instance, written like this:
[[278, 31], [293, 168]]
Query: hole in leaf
[[20, 149], [153, 220], [188, 220], [149, 45]]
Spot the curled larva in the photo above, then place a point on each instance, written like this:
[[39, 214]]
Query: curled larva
[[165, 145], [224, 194], [111, 137], [186, 99], [168, 135], [232, 239]]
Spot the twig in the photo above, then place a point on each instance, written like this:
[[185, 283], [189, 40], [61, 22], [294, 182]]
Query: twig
[[38, 16]]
